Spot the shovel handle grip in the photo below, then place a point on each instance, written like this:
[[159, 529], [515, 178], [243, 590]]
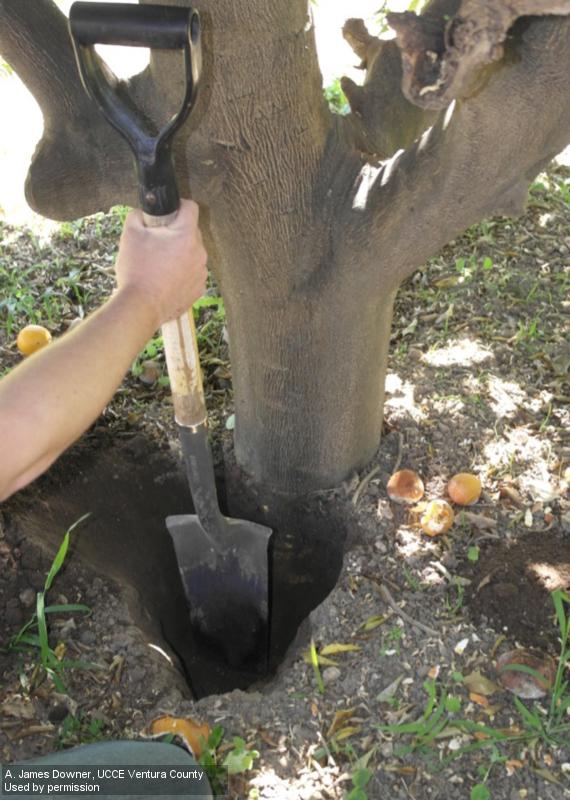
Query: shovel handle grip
[[182, 357], [163, 27]]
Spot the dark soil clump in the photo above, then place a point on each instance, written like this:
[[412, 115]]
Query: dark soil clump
[[512, 585]]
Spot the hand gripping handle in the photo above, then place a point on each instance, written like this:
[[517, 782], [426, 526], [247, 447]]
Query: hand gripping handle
[[182, 358]]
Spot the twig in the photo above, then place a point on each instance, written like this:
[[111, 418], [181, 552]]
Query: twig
[[400, 453], [387, 597], [363, 484]]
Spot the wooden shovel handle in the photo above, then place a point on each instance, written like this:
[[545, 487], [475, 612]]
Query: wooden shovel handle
[[182, 358]]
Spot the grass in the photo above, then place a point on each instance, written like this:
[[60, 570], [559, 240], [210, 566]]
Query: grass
[[34, 635], [79, 729], [537, 724]]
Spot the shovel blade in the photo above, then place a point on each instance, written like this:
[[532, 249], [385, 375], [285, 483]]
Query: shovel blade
[[226, 582]]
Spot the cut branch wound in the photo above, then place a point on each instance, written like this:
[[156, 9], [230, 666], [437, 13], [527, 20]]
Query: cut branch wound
[[442, 58]]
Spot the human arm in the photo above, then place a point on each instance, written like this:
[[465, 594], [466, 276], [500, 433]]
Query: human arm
[[49, 400]]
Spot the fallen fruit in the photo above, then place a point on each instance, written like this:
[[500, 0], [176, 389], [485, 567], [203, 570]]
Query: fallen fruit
[[437, 518], [32, 338], [525, 685], [194, 734], [405, 486], [464, 489]]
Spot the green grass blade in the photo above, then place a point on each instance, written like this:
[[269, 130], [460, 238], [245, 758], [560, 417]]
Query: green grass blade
[[31, 638], [58, 683], [67, 607], [62, 552], [42, 630], [57, 563], [560, 613], [529, 718], [316, 669]]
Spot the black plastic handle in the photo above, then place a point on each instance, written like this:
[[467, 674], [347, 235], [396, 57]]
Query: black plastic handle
[[163, 27], [154, 26]]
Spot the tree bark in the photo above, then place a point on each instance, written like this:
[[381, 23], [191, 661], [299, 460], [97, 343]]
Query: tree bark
[[311, 221]]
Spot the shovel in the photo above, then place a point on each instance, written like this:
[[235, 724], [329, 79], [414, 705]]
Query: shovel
[[223, 562]]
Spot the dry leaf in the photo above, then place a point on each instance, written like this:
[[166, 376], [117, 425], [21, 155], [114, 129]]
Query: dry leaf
[[17, 707], [461, 646], [322, 660], [478, 520], [511, 494], [512, 765], [268, 739], [387, 693], [339, 719], [479, 684], [194, 734], [346, 733], [434, 672], [480, 699], [333, 649], [373, 622]]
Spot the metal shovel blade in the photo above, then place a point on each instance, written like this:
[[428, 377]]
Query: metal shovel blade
[[225, 578]]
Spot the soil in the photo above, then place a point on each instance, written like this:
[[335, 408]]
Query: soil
[[478, 381]]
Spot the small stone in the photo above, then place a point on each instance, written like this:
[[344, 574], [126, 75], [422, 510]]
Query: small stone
[[27, 597], [414, 354], [331, 674], [87, 638], [380, 545], [387, 749], [505, 591]]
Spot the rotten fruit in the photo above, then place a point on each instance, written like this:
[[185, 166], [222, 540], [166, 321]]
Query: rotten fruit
[[405, 486], [437, 518]]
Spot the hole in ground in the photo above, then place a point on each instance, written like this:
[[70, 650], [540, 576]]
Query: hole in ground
[[129, 487]]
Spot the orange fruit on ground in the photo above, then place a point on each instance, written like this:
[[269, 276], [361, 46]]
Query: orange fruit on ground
[[32, 338], [405, 486], [437, 518], [195, 734], [464, 489]]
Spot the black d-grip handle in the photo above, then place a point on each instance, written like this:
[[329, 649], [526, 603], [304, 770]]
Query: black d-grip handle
[[157, 27], [132, 25]]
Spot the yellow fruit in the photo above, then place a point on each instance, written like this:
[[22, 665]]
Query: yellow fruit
[[405, 486], [464, 489], [437, 518], [32, 338]]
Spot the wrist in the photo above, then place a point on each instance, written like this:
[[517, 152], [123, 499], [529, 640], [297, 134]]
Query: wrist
[[141, 300]]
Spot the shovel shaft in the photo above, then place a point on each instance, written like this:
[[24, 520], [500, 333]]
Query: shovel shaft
[[200, 472]]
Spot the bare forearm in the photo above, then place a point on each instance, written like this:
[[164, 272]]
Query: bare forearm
[[61, 390]]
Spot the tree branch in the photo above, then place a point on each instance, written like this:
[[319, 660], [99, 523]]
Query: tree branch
[[383, 120], [77, 143], [479, 158], [443, 59]]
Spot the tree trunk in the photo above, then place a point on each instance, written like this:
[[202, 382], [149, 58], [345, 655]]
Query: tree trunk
[[311, 221]]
